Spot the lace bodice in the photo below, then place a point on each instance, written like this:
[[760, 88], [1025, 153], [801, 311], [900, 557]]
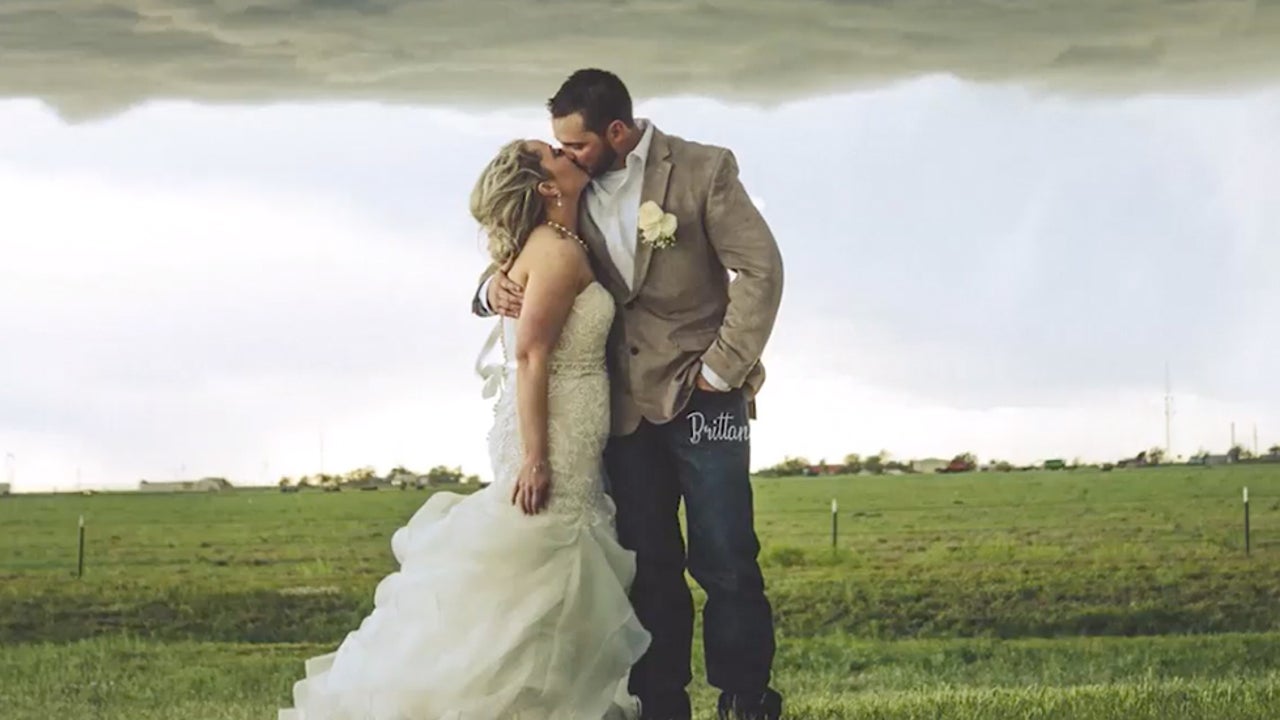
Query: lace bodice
[[581, 346], [577, 409]]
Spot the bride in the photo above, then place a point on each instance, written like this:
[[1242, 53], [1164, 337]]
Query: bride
[[511, 602]]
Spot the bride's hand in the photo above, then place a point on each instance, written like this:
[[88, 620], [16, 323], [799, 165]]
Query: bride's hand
[[533, 487]]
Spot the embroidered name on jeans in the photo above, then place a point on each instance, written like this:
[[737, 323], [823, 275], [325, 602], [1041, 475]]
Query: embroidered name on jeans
[[722, 428]]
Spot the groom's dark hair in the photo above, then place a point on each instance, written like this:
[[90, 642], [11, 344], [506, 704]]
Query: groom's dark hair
[[598, 94]]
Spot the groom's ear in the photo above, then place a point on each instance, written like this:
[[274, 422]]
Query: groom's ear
[[615, 132]]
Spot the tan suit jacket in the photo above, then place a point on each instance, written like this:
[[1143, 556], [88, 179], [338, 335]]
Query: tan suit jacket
[[683, 307]]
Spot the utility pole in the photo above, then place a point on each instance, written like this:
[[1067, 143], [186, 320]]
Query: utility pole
[[1168, 413]]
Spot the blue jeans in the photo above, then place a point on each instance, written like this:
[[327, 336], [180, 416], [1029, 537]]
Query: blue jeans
[[703, 457]]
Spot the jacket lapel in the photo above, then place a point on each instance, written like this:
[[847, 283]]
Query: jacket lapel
[[657, 174], [600, 258]]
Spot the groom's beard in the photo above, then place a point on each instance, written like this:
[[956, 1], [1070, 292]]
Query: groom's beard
[[607, 157]]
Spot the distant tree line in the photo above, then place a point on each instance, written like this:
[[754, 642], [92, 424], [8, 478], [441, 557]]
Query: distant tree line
[[366, 478], [882, 463]]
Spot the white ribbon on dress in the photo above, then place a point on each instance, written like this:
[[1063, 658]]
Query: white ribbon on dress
[[493, 374]]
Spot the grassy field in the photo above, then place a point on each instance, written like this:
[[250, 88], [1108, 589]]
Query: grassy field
[[1027, 595]]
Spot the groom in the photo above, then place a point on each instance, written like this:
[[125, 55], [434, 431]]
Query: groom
[[684, 358]]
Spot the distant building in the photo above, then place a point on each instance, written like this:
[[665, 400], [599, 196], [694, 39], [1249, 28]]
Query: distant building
[[373, 483], [928, 465], [4, 488], [407, 479], [823, 469], [209, 484]]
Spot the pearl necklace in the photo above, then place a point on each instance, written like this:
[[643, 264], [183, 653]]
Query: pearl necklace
[[567, 234]]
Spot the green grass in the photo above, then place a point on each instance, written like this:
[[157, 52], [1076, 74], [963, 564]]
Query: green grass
[[1069, 594], [835, 677]]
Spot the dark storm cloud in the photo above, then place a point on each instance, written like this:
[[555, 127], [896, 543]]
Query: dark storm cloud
[[89, 59]]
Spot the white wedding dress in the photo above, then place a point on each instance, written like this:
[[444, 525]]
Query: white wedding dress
[[494, 614]]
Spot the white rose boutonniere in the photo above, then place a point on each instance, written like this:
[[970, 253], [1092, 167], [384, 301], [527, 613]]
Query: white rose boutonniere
[[657, 228]]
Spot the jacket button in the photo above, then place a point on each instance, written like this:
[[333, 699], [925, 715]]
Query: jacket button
[[635, 350]]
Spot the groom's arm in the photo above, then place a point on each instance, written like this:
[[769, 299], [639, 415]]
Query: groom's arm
[[743, 242], [510, 295], [480, 303]]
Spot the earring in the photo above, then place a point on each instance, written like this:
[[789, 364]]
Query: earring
[[559, 201]]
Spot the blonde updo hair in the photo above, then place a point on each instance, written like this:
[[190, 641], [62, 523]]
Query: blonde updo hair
[[505, 200]]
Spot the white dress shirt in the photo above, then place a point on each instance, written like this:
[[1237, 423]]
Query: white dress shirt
[[613, 202]]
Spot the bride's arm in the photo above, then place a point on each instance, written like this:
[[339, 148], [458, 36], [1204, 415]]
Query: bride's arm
[[554, 278]]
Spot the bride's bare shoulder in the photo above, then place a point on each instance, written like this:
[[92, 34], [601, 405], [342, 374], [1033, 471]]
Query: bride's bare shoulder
[[546, 251]]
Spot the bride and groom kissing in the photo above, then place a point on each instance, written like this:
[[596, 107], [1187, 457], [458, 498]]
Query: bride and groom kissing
[[630, 361]]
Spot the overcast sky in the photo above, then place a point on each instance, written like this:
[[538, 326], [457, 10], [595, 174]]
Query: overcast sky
[[191, 290]]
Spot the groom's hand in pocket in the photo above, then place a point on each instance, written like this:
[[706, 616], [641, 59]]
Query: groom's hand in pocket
[[505, 295], [702, 382]]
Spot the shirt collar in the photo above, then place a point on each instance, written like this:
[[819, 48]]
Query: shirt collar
[[641, 151]]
